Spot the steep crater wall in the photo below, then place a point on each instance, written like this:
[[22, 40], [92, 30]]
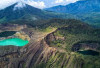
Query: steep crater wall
[[86, 45]]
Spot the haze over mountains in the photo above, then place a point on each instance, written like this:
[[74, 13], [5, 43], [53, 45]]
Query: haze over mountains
[[17, 11], [36, 38], [24, 11], [82, 6], [86, 10]]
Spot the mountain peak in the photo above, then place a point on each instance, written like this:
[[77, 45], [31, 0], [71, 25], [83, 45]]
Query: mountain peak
[[20, 10], [19, 5]]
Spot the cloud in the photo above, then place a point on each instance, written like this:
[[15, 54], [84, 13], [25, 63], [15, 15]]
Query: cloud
[[65, 1], [71, 1], [19, 5], [59, 1], [6, 3], [38, 4]]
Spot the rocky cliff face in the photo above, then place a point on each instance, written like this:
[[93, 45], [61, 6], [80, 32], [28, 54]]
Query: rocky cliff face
[[11, 27], [35, 52], [38, 53], [86, 46]]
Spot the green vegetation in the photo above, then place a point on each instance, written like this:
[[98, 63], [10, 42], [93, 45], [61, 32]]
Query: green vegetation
[[48, 29], [74, 32], [91, 18], [75, 35], [57, 43], [62, 60], [91, 61], [2, 19]]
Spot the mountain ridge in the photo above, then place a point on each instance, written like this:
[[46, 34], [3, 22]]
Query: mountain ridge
[[80, 6], [30, 13], [54, 45], [10, 14], [86, 10]]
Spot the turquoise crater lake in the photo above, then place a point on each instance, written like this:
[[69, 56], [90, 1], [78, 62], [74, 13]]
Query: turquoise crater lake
[[14, 41]]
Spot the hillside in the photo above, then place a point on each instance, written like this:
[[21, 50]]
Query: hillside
[[57, 37], [85, 10], [11, 12], [54, 43], [81, 6], [29, 13], [90, 18]]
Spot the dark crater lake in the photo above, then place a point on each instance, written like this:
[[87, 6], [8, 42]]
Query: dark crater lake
[[89, 52], [7, 33]]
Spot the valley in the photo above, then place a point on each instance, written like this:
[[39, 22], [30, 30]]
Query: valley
[[63, 36], [84, 10], [49, 44]]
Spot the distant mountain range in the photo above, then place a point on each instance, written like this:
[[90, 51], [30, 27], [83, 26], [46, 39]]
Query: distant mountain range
[[26, 12], [86, 10], [81, 6]]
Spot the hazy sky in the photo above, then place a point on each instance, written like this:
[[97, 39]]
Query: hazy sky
[[50, 3], [36, 3]]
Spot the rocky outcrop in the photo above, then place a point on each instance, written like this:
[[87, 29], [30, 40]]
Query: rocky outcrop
[[22, 35], [86, 46], [38, 51], [11, 27], [52, 37], [25, 57], [18, 29]]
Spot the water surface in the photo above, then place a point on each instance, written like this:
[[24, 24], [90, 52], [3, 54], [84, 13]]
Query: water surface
[[7, 33], [14, 41], [89, 52]]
